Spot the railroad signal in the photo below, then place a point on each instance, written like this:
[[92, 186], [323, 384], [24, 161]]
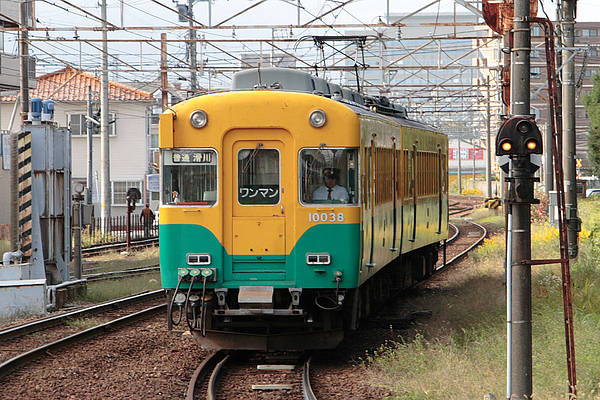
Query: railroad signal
[[519, 136]]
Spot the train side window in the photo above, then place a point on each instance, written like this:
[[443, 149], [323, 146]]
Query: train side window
[[189, 177], [329, 176], [258, 176]]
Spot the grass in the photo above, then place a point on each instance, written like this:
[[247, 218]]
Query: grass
[[118, 262], [112, 289], [83, 323], [488, 216], [460, 352]]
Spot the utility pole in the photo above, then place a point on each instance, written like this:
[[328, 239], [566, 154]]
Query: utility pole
[[192, 48], [163, 71], [488, 155], [24, 94], [474, 152], [568, 117], [459, 166], [105, 202], [90, 131], [520, 197]]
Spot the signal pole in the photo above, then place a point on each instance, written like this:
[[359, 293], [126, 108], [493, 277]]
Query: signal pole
[[520, 198], [568, 116], [105, 201]]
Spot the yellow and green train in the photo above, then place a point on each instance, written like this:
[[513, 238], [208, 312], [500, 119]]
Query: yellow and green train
[[290, 207]]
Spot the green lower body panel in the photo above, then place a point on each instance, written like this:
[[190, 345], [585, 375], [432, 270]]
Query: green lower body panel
[[340, 241]]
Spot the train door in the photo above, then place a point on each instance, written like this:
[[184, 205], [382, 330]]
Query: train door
[[258, 208], [412, 194], [439, 175]]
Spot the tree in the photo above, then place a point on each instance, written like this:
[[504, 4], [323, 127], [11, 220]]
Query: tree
[[591, 102]]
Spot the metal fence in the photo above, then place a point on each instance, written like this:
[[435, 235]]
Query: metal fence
[[116, 231]]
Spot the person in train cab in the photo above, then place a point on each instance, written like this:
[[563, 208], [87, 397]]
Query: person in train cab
[[330, 190]]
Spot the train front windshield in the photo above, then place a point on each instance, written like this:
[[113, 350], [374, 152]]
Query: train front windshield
[[189, 177], [328, 176]]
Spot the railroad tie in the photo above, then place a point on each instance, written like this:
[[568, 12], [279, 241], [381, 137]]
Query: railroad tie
[[275, 367], [273, 386], [25, 195]]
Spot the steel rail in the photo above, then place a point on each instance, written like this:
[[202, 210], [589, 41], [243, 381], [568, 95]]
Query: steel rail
[[468, 249], [307, 391], [98, 249], [453, 238], [16, 362], [202, 371], [49, 322], [103, 276], [211, 393]]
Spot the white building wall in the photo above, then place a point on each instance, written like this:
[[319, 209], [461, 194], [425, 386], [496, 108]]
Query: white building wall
[[128, 149]]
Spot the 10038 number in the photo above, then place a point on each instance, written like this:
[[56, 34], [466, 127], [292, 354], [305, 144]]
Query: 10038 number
[[325, 217]]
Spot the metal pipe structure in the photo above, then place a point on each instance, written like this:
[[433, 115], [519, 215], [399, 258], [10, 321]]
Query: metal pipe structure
[[548, 164], [192, 47], [508, 274], [163, 73], [24, 95], [90, 131], [568, 116], [77, 256], [105, 185], [521, 351]]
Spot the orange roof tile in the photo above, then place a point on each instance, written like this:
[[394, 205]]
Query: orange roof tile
[[71, 84]]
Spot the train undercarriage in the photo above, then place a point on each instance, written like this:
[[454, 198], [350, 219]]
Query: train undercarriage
[[265, 318]]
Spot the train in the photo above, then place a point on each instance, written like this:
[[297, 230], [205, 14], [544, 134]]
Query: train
[[291, 207]]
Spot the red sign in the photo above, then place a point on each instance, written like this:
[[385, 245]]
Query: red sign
[[465, 154]]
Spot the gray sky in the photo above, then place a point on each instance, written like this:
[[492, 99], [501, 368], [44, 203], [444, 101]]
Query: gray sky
[[55, 13]]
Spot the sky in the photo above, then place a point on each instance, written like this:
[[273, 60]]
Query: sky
[[58, 14]]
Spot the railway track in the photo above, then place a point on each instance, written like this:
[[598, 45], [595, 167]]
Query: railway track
[[107, 248], [241, 378], [472, 236], [24, 343], [247, 374], [104, 276]]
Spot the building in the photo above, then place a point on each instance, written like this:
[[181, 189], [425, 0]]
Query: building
[[130, 117], [587, 62], [437, 65]]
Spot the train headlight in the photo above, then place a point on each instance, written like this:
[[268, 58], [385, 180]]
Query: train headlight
[[198, 119], [199, 259], [318, 259], [317, 118]]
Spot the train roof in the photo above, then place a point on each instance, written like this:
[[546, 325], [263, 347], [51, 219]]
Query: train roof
[[298, 81]]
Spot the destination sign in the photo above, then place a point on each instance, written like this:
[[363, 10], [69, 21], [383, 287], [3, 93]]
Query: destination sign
[[194, 157]]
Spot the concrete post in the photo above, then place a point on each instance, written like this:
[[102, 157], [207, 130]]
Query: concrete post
[[568, 116]]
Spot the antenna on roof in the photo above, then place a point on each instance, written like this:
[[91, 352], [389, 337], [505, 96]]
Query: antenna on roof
[[260, 84]]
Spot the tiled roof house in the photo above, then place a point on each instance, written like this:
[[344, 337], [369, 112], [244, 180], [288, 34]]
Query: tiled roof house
[[129, 108]]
